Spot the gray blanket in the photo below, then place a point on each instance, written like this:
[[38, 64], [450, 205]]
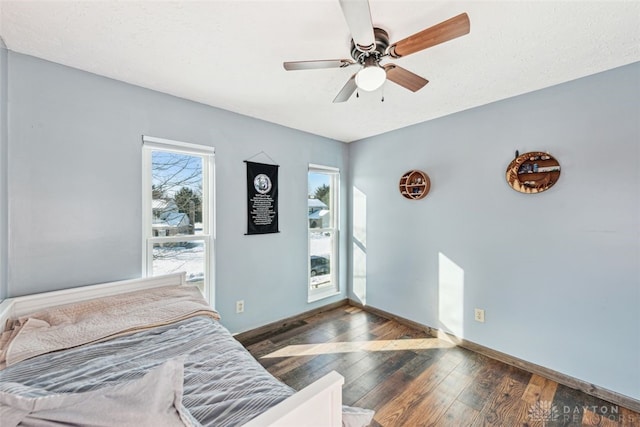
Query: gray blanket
[[223, 384]]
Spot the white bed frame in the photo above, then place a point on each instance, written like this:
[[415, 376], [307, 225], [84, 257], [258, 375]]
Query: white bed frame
[[320, 403]]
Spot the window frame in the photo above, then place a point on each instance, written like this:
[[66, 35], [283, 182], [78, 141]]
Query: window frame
[[315, 294], [150, 144]]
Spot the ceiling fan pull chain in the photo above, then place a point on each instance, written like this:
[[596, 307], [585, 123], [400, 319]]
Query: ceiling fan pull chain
[[357, 94]]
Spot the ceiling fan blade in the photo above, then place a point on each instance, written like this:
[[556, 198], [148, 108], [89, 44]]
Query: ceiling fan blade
[[317, 64], [347, 90], [405, 78], [358, 17], [439, 33]]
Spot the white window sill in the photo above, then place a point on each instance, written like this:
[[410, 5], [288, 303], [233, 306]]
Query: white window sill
[[316, 296]]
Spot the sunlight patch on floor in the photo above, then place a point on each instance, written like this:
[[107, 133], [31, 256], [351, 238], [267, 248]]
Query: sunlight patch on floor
[[352, 347]]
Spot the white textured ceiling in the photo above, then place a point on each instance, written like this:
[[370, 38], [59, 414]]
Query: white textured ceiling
[[229, 54]]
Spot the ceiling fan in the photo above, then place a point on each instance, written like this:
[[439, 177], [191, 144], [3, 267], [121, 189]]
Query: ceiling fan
[[369, 45]]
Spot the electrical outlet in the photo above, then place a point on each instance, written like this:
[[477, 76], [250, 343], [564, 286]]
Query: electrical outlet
[[479, 315], [240, 306]]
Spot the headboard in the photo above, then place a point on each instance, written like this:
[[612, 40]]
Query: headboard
[[11, 308]]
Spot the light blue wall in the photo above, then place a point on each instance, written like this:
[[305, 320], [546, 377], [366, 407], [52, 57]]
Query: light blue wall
[[75, 189], [558, 273], [3, 168]]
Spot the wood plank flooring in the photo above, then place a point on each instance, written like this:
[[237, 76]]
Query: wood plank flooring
[[412, 379]]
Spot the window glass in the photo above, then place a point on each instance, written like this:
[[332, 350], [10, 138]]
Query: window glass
[[176, 193], [323, 184], [177, 187], [173, 257]]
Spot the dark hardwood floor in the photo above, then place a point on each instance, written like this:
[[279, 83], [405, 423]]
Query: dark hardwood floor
[[412, 379]]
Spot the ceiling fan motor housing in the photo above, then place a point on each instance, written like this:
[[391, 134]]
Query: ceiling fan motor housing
[[374, 55]]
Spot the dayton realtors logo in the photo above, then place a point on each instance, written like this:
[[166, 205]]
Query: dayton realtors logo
[[546, 412]]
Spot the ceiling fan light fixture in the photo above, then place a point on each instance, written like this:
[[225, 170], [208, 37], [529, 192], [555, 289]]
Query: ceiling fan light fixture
[[371, 78]]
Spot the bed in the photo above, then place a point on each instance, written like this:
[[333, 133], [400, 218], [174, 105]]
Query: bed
[[96, 355]]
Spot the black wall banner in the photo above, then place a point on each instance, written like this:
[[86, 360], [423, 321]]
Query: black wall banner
[[262, 198]]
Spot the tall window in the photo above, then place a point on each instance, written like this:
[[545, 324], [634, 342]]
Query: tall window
[[323, 231], [178, 211]]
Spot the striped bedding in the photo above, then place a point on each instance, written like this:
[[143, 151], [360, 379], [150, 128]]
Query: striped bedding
[[223, 384]]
